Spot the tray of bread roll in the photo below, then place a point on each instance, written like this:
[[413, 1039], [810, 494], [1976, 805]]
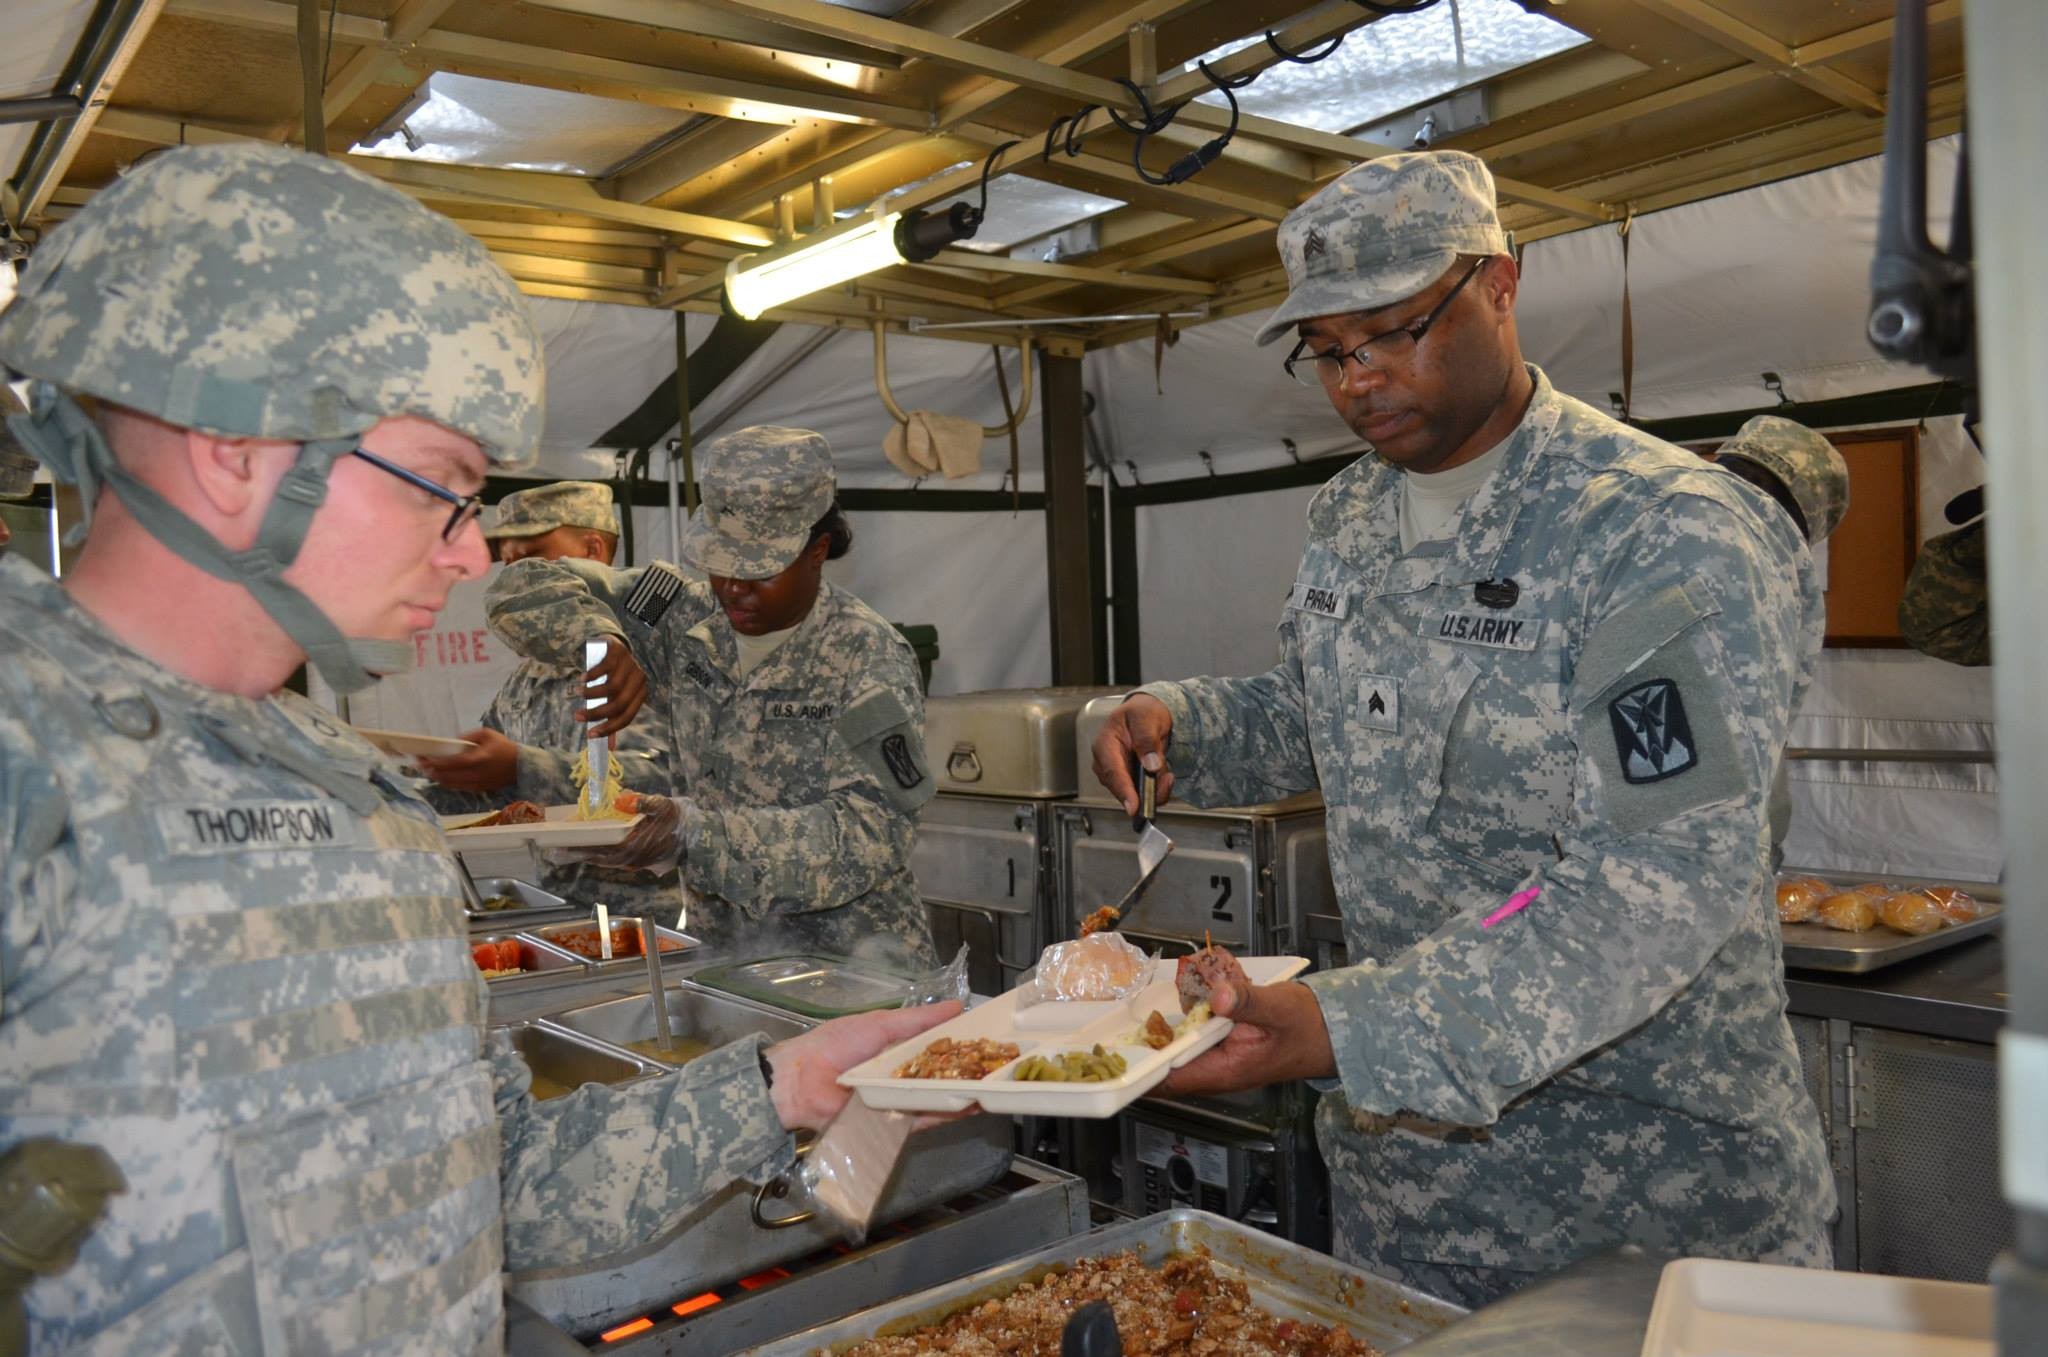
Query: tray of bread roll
[[1835, 922], [1093, 1027]]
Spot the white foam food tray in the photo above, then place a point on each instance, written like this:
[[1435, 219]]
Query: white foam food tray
[[560, 830], [876, 1082], [1707, 1307], [402, 743]]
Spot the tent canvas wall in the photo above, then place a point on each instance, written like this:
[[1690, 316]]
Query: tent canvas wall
[[1772, 278]]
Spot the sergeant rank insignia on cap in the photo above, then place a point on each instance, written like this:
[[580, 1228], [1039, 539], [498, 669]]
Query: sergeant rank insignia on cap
[[1652, 737], [1315, 246]]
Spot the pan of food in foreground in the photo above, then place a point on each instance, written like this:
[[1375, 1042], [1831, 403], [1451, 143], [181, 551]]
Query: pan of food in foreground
[[1182, 1282], [510, 903], [1015, 1055]]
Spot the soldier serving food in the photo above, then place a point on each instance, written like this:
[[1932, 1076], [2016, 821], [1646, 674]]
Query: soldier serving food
[[1540, 666], [232, 947], [796, 718]]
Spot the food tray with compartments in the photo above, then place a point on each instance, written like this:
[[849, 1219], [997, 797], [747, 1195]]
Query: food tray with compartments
[[1115, 1030], [1816, 947], [560, 830]]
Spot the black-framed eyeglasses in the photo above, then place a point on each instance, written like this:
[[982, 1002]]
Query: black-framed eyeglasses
[[468, 508], [1380, 351]]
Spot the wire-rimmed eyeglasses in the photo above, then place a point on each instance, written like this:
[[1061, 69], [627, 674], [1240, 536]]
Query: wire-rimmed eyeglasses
[[1380, 351], [467, 507]]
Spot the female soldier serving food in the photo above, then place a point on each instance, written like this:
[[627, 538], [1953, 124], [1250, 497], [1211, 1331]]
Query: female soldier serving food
[[797, 720]]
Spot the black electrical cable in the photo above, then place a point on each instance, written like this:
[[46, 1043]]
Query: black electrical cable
[[1154, 120], [1302, 58], [1199, 159], [1390, 7], [987, 168]]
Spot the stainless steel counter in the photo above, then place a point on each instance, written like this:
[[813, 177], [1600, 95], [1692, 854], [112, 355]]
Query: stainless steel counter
[[1597, 1307], [1958, 994]]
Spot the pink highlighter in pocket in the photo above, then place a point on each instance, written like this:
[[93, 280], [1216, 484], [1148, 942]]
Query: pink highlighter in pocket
[[1517, 902]]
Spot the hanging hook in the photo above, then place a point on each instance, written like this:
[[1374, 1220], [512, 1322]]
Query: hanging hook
[[901, 416]]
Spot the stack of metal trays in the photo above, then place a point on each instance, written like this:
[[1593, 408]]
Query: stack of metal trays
[[813, 984], [1285, 1280]]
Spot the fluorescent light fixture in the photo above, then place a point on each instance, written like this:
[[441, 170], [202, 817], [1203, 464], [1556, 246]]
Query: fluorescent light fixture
[[873, 240]]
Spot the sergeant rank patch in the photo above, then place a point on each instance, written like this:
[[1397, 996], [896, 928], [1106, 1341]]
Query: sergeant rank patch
[[1652, 738]]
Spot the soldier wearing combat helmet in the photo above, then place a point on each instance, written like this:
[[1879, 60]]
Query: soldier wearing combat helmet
[[797, 719], [232, 948], [1540, 666]]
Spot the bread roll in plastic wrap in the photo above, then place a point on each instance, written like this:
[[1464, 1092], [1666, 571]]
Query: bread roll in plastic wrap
[[1851, 912], [1098, 967], [1956, 906], [1912, 912], [1799, 898]]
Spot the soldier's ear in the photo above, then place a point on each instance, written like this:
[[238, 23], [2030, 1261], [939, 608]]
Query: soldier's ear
[[233, 475], [1502, 283]]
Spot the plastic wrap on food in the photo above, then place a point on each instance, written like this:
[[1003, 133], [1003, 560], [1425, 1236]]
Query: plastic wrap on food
[[1100, 967], [1851, 911], [1956, 906], [852, 1162], [1912, 912], [1799, 898], [948, 982]]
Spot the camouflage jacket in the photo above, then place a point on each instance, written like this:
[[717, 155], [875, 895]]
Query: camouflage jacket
[[1587, 690], [1946, 609], [809, 774], [536, 709], [233, 954]]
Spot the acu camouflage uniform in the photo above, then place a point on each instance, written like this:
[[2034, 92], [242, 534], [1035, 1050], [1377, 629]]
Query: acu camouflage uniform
[[536, 709], [1586, 689], [1816, 477], [1946, 609], [232, 948], [808, 775]]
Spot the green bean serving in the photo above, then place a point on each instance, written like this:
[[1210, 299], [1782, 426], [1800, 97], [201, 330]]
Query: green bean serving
[[1071, 1067]]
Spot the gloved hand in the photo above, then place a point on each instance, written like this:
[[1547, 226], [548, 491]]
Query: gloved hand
[[657, 844]]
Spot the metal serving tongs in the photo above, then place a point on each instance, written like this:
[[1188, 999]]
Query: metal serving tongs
[[1092, 1332], [1153, 847]]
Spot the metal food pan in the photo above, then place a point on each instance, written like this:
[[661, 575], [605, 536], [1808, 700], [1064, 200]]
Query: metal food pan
[[570, 1060], [535, 906], [540, 963], [1285, 1280], [695, 1015], [682, 943], [1816, 947]]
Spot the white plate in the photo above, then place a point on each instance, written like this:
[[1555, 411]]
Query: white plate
[[400, 743], [1706, 1307], [996, 1020], [560, 830]]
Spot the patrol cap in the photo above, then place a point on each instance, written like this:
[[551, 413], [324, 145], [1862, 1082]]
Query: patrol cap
[[260, 292], [1806, 464], [1383, 231], [763, 489], [564, 504]]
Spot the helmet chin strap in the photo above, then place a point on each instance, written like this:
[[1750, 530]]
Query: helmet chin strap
[[67, 441]]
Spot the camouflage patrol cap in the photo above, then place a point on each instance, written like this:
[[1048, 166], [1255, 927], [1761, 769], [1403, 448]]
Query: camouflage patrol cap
[[565, 504], [763, 490], [1383, 231], [1805, 463], [257, 291]]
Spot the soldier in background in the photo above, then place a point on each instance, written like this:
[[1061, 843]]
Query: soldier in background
[[1806, 476], [795, 710], [1529, 649], [1946, 608], [232, 947], [529, 737]]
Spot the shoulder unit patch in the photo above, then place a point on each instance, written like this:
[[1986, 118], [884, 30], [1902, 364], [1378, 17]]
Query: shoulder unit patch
[[1653, 740]]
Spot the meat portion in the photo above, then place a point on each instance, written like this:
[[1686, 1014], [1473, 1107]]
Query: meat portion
[[1159, 1033], [958, 1058], [1183, 1308], [518, 813], [1100, 920], [1199, 974]]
